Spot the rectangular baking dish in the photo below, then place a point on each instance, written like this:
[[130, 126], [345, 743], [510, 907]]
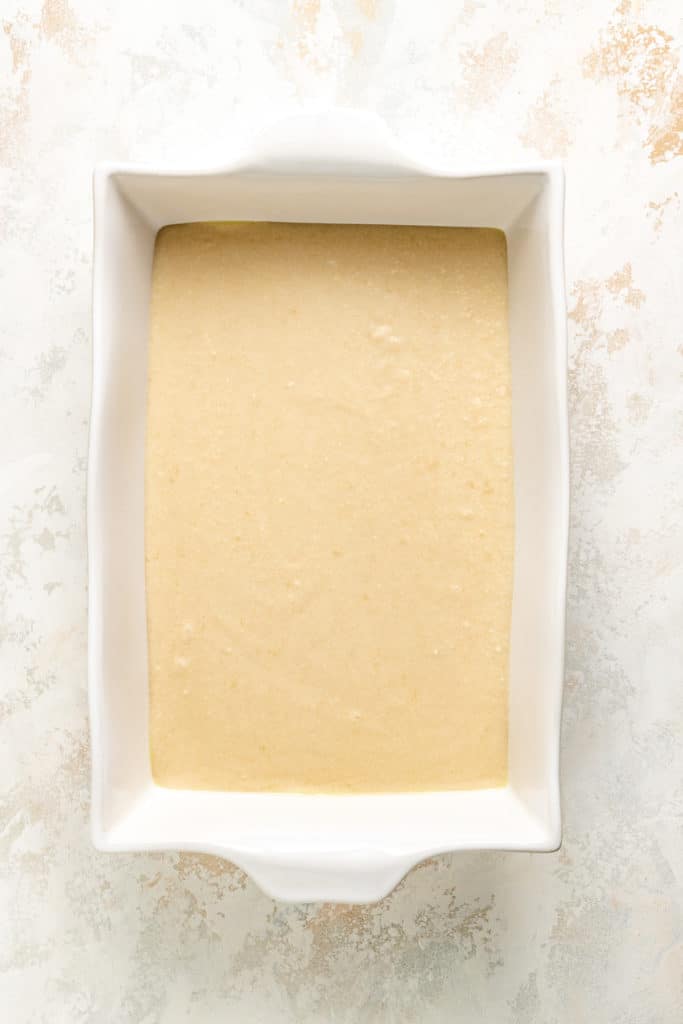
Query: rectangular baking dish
[[340, 167]]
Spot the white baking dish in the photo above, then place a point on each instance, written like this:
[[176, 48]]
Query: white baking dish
[[338, 167]]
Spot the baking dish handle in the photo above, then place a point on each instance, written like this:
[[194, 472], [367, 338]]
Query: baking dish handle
[[348, 877], [335, 139]]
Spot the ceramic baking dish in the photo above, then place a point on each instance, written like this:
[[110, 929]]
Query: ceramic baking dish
[[339, 167]]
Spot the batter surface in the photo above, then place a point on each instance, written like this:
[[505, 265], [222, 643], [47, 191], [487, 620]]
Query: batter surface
[[329, 508]]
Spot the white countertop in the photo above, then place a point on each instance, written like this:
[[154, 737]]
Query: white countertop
[[592, 933]]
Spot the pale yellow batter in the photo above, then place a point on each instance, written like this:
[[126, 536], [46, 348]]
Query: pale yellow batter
[[329, 508]]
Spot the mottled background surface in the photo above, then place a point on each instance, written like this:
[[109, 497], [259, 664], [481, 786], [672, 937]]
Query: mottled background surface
[[593, 933]]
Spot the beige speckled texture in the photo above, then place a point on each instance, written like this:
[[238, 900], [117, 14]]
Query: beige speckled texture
[[592, 933]]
